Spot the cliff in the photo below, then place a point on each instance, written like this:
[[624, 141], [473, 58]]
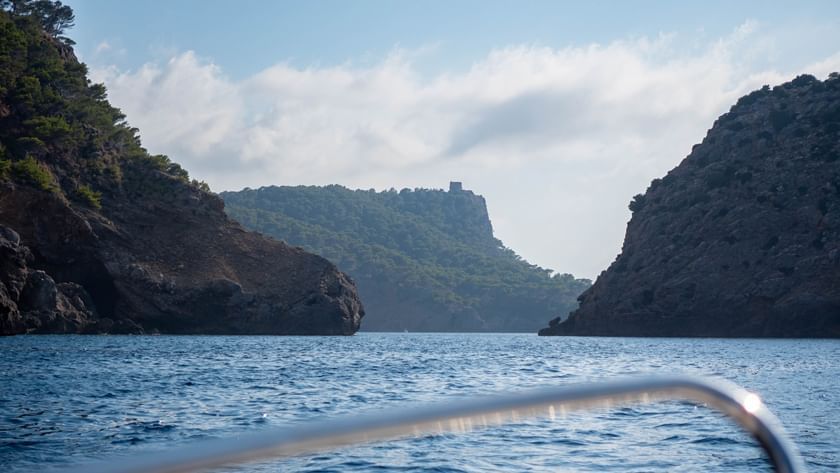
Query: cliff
[[99, 236], [424, 260], [742, 239]]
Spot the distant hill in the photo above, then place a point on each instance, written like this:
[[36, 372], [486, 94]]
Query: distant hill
[[423, 260], [742, 239]]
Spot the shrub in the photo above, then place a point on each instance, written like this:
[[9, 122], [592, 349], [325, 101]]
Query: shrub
[[719, 176], [27, 94], [175, 169], [30, 144], [201, 185], [5, 164], [31, 170], [781, 118], [637, 203], [90, 196], [162, 162], [49, 129], [803, 80], [753, 97], [159, 161], [5, 167], [114, 170]]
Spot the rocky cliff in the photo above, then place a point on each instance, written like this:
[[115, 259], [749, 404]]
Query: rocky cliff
[[742, 239], [424, 259], [99, 236]]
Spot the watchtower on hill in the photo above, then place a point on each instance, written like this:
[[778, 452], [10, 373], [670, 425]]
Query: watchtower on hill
[[456, 186]]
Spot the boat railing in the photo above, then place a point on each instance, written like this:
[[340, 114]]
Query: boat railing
[[746, 408]]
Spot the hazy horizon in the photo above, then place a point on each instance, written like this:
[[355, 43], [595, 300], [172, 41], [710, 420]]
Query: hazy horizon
[[556, 113]]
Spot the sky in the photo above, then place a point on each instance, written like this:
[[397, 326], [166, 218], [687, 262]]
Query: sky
[[558, 113]]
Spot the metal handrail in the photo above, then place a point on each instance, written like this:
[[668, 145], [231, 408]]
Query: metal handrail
[[746, 408]]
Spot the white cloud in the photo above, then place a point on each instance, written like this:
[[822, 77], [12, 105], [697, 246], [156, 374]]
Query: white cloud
[[102, 47], [557, 140], [186, 108]]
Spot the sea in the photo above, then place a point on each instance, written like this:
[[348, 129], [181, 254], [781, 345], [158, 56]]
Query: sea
[[71, 400]]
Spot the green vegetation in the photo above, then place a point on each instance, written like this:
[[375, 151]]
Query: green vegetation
[[89, 196], [201, 185], [779, 119], [413, 252], [53, 16], [163, 163], [48, 129], [5, 167], [637, 204], [36, 173], [53, 116]]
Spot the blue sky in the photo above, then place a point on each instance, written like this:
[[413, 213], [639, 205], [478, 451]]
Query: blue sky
[[247, 36], [557, 112]]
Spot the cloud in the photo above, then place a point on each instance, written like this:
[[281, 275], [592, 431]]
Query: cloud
[[102, 47], [558, 140], [185, 108]]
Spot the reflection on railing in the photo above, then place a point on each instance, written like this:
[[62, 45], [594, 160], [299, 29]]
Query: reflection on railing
[[744, 407]]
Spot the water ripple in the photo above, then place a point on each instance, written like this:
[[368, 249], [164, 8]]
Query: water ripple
[[69, 399]]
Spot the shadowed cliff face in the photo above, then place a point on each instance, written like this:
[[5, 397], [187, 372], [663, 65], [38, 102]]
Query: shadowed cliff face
[[742, 239], [147, 265], [97, 236]]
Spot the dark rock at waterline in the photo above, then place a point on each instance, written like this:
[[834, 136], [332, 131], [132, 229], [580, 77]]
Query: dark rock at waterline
[[742, 239], [13, 276], [31, 301]]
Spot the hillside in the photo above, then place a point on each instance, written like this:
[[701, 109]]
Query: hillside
[[742, 239], [99, 236], [423, 260]]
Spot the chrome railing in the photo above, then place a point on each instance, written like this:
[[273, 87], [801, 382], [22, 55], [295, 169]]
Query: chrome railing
[[744, 407]]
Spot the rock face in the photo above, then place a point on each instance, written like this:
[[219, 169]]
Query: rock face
[[742, 239], [146, 265], [98, 236], [31, 301]]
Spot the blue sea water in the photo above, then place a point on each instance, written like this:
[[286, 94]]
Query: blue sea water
[[67, 400]]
